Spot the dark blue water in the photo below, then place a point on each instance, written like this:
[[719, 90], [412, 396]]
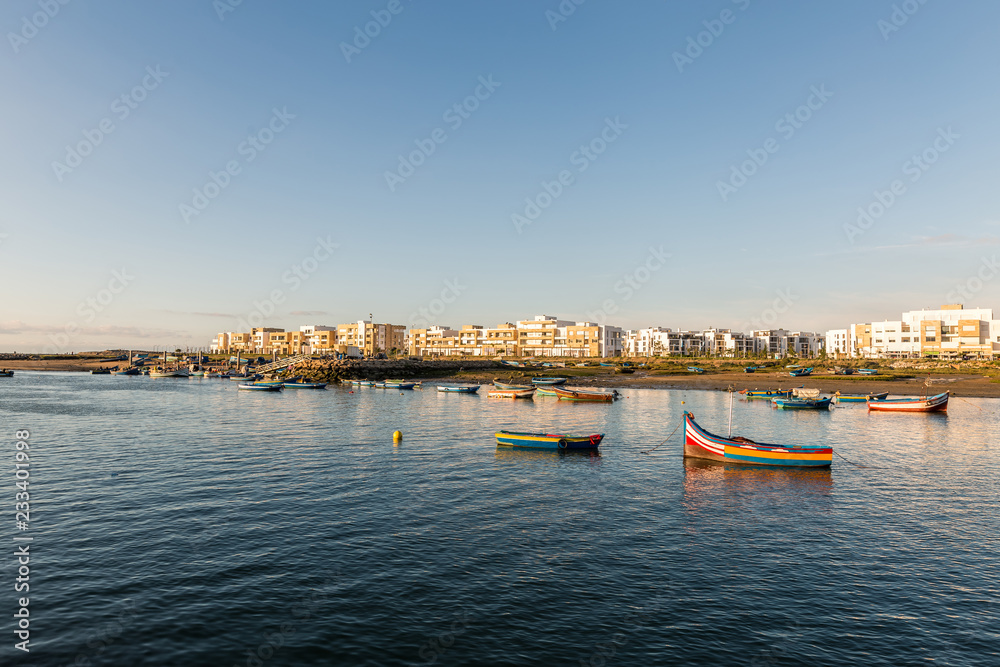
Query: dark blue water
[[181, 522]]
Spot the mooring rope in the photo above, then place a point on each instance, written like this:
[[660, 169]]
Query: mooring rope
[[851, 462], [650, 451]]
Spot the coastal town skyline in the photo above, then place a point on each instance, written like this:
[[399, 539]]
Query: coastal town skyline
[[183, 189]]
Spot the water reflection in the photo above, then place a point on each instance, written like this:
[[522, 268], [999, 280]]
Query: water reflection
[[515, 455]]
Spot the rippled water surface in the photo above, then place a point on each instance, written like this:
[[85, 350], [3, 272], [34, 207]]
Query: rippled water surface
[[181, 522]]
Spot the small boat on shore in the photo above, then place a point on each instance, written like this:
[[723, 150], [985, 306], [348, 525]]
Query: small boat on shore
[[547, 381], [750, 369], [260, 387], [458, 388], [860, 398], [604, 363], [699, 443], [867, 371], [591, 395], [511, 393], [548, 440], [801, 372], [938, 403], [695, 369]]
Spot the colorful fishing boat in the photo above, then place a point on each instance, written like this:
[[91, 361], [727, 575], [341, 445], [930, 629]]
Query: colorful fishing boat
[[260, 387], [591, 395], [867, 371], [503, 385], [545, 391], [6, 373], [861, 398], [128, 371], [766, 393], [299, 384], [547, 381], [802, 403], [167, 374], [695, 369], [261, 383], [605, 363], [938, 403], [511, 393], [750, 369], [548, 440], [699, 443], [801, 372], [458, 388]]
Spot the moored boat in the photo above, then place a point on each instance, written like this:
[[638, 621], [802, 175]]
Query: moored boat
[[545, 391], [548, 440], [167, 374], [699, 443], [299, 384], [260, 387], [938, 403], [801, 372], [128, 371], [101, 371], [547, 381], [802, 403], [767, 393], [503, 385], [6, 373], [695, 369], [458, 388], [398, 384], [861, 398], [591, 395], [511, 393]]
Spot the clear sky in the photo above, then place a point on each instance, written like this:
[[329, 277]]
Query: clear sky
[[692, 164]]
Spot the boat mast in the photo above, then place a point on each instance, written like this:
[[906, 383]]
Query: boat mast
[[730, 412]]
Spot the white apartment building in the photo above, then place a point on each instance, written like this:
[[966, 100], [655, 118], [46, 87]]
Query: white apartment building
[[838, 343]]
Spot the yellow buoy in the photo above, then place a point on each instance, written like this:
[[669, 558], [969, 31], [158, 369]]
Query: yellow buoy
[[397, 436]]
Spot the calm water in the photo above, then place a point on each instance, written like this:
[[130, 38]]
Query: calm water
[[181, 522]]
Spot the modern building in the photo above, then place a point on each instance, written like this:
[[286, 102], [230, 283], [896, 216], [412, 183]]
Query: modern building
[[948, 332]]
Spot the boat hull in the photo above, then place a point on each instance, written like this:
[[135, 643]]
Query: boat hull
[[547, 381], [767, 394], [454, 389], [548, 440], [699, 443], [511, 393], [861, 398], [306, 385], [938, 403], [584, 395], [801, 404], [504, 385], [260, 387]]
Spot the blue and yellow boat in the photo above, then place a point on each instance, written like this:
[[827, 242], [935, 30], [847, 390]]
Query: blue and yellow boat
[[861, 398], [548, 440], [802, 403]]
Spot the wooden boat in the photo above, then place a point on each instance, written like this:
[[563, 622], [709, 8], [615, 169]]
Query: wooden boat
[[595, 396], [511, 393], [695, 369], [699, 443], [101, 371], [503, 385], [548, 440], [938, 403], [6, 374], [802, 403], [749, 369], [867, 371], [547, 381], [861, 398], [261, 383], [458, 388], [801, 373], [260, 387], [398, 384], [166, 374], [766, 393], [604, 363], [545, 391], [128, 371], [299, 384]]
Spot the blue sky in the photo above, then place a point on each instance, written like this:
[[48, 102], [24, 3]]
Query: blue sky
[[662, 121]]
